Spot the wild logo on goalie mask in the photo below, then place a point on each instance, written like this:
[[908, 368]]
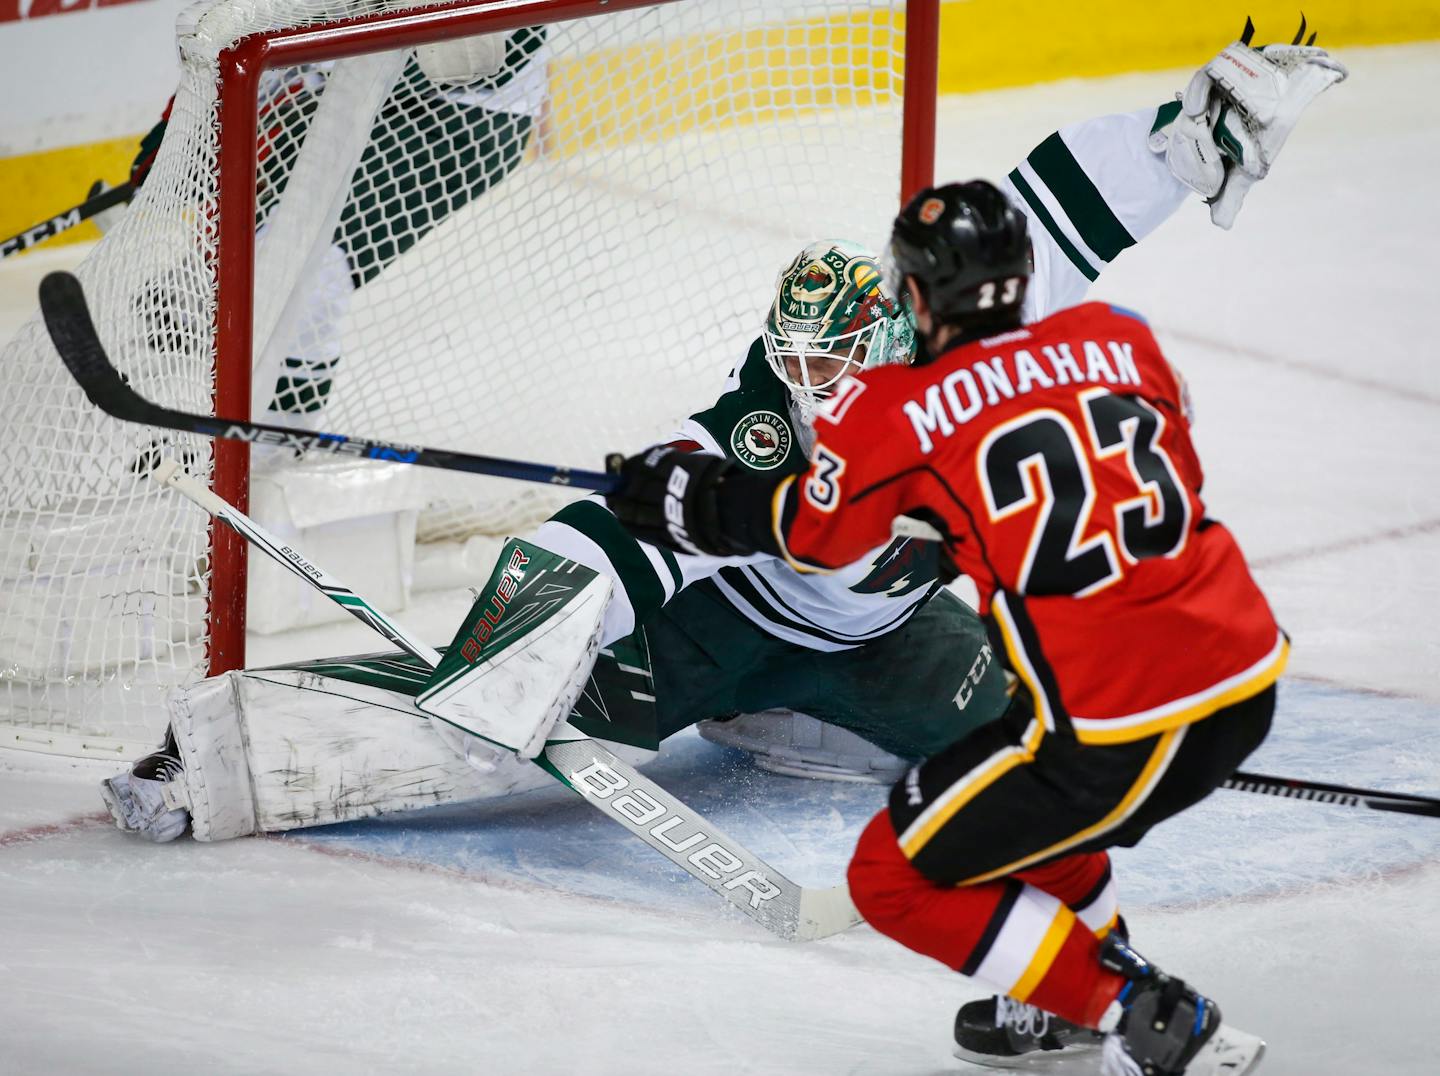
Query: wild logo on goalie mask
[[505, 591], [641, 811]]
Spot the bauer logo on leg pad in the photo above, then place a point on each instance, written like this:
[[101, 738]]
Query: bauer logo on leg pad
[[523, 654], [512, 575]]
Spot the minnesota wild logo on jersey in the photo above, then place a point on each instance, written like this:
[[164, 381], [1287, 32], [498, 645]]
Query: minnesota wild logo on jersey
[[761, 439]]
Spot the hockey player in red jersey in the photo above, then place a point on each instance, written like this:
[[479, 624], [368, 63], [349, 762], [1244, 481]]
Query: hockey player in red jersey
[[1054, 461]]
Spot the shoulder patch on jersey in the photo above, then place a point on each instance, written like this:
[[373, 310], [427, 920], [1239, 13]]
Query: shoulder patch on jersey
[[762, 440], [903, 567], [839, 401]]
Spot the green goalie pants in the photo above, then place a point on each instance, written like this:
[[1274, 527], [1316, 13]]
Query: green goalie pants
[[911, 692]]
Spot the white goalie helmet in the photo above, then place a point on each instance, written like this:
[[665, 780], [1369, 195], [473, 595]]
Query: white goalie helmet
[[832, 315]]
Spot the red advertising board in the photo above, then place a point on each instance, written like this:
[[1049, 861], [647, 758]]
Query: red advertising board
[[20, 10]]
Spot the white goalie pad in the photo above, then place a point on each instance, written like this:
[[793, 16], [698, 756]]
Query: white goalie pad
[[267, 750], [281, 749], [524, 655]]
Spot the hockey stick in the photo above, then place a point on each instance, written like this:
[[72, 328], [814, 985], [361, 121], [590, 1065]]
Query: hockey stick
[[48, 229], [67, 317], [793, 912], [1296, 789]]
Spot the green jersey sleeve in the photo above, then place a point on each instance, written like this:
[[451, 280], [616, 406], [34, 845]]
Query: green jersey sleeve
[[750, 422]]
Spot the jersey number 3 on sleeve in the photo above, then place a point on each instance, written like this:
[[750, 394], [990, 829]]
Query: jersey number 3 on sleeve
[[1039, 460], [822, 487]]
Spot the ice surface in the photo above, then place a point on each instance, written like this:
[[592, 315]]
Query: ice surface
[[534, 937]]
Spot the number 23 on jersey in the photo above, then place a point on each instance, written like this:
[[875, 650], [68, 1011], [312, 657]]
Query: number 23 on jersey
[[1041, 463]]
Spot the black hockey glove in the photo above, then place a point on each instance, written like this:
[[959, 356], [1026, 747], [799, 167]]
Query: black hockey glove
[[692, 503]]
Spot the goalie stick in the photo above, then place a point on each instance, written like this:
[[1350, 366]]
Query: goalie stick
[[63, 222], [605, 781], [67, 318], [72, 330]]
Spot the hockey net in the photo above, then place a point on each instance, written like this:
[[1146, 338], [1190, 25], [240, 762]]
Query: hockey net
[[559, 258]]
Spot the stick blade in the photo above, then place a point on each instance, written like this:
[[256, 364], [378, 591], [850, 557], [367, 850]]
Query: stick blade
[[1428, 810], [824, 912], [67, 319]]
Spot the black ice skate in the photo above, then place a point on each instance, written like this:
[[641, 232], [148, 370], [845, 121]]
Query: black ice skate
[[1166, 1028], [1002, 1033]]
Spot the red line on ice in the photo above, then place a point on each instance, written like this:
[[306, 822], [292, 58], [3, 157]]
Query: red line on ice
[[46, 830], [1345, 545]]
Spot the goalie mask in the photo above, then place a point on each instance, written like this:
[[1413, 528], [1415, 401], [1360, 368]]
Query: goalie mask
[[832, 316]]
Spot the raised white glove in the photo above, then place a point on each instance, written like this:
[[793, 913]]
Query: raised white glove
[[1236, 114]]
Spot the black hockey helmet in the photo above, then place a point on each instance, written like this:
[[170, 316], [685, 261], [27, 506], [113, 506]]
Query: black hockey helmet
[[968, 249]]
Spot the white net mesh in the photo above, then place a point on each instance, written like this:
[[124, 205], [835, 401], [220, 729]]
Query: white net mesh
[[560, 257]]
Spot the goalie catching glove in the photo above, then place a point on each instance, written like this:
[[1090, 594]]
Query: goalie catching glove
[[1236, 114]]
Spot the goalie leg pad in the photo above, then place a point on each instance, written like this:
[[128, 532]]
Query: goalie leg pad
[[278, 749], [524, 653]]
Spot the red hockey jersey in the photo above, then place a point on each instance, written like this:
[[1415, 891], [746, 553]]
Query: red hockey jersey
[[1059, 459]]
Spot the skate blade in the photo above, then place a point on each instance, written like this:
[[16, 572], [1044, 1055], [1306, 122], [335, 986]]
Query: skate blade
[[1229, 1052], [1080, 1060]]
